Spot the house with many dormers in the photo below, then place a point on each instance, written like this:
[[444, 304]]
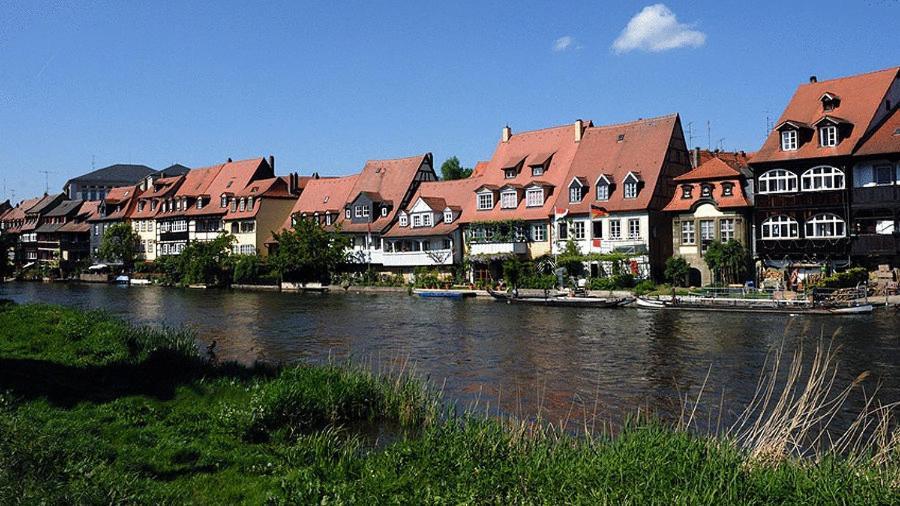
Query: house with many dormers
[[154, 192], [805, 177], [617, 186], [258, 209]]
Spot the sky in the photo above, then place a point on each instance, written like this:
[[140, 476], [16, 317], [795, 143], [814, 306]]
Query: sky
[[324, 86]]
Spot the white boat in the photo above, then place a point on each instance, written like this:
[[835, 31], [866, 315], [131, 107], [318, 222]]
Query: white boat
[[122, 280]]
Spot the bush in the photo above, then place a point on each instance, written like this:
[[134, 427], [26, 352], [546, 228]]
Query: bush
[[614, 282], [644, 287], [847, 279], [246, 269], [677, 269], [427, 278]]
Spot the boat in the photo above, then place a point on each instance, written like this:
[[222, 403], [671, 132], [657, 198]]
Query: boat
[[122, 280], [750, 306], [441, 294], [600, 302]]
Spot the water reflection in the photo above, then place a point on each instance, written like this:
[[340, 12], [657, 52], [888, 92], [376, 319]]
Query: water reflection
[[565, 363]]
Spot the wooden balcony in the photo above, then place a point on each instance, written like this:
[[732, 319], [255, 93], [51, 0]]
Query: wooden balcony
[[801, 200], [876, 245], [877, 196]]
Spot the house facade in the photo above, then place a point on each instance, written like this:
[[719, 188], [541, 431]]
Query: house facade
[[34, 218], [64, 235], [116, 207], [615, 192], [258, 209], [153, 192], [802, 174], [710, 204]]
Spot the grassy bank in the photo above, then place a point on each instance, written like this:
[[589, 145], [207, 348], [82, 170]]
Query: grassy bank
[[95, 411]]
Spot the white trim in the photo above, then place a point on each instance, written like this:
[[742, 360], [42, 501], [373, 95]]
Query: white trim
[[837, 224], [779, 223]]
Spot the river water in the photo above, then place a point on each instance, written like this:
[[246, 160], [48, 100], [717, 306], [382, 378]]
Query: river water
[[569, 364]]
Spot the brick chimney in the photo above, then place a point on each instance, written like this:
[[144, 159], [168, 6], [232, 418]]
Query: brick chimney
[[696, 157], [272, 162], [507, 133], [229, 160], [579, 130]]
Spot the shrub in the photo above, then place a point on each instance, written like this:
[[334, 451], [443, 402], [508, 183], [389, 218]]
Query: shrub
[[677, 269], [246, 269], [614, 282], [644, 287], [847, 279]]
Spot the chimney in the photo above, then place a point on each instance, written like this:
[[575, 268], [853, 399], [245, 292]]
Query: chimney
[[696, 159], [813, 79], [507, 133], [579, 130], [272, 162], [293, 181], [229, 160]]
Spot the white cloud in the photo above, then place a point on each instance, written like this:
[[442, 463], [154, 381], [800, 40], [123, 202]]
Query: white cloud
[[564, 43], [656, 29]]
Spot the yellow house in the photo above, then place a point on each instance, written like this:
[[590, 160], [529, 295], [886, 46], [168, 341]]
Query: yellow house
[[259, 209]]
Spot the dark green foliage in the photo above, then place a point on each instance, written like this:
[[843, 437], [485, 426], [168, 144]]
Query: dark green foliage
[[847, 279], [644, 287], [427, 278], [120, 244], [727, 261], [246, 269], [677, 269], [308, 252], [620, 281], [207, 262], [451, 169], [571, 259]]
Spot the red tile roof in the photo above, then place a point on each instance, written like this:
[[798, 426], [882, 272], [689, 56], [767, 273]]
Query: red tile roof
[[558, 140], [439, 195], [271, 188], [717, 172], [391, 180], [638, 147], [860, 98], [886, 137], [714, 168], [326, 195]]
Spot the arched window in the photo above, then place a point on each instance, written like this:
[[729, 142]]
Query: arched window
[[822, 178], [825, 226], [777, 181], [780, 227]]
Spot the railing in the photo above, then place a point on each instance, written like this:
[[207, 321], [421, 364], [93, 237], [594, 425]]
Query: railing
[[875, 244], [880, 195], [413, 258], [495, 248]]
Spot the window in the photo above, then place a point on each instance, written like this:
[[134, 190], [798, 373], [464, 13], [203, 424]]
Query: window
[[578, 230], [357, 211], [777, 181], [562, 231], [825, 226], [347, 213], [537, 170], [597, 230], [534, 197], [365, 211], [224, 201], [448, 216], [884, 175], [446, 244], [615, 229], [687, 191], [243, 205], [828, 136], [706, 190], [199, 202], [508, 200], [404, 220], [631, 189], [789, 140], [248, 226], [428, 219], [575, 193], [727, 189], [707, 230], [416, 220], [235, 228], [726, 229], [539, 233], [509, 173], [485, 201], [234, 204], [250, 203], [602, 191], [687, 233], [96, 230], [780, 227], [634, 228], [822, 178], [384, 211]]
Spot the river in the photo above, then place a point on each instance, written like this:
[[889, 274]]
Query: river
[[564, 363]]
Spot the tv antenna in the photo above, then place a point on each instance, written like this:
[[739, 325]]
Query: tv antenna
[[690, 126], [708, 136], [46, 174]]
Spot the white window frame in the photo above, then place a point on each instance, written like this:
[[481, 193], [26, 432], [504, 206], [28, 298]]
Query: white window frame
[[604, 194], [448, 216], [784, 181], [615, 229], [485, 201], [774, 228], [428, 220], [404, 220], [634, 228], [534, 197], [816, 227], [707, 230], [727, 229], [538, 232], [688, 233], [365, 211], [347, 213], [578, 230], [509, 173], [537, 170], [506, 203], [790, 140], [826, 176], [630, 190], [574, 197], [416, 220], [828, 136]]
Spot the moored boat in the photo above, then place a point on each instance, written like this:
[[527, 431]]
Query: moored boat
[[600, 302], [750, 306]]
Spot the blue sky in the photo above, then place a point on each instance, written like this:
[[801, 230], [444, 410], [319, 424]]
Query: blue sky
[[324, 88]]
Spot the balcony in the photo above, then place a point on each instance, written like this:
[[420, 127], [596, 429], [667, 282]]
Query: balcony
[[360, 255], [877, 196], [876, 245], [417, 258], [498, 248]]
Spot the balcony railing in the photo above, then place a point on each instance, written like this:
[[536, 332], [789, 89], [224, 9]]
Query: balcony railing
[[496, 248], [877, 195], [415, 258], [876, 244]]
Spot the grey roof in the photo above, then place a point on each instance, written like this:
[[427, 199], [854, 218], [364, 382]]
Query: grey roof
[[49, 228], [64, 208], [118, 173], [44, 203], [173, 170]]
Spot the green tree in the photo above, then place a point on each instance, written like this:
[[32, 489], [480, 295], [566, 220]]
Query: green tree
[[451, 169], [246, 269], [308, 252], [571, 258], [207, 262], [512, 272], [727, 261], [677, 269], [6, 246], [120, 243]]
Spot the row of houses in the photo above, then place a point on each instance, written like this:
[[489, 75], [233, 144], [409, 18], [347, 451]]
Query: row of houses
[[822, 192]]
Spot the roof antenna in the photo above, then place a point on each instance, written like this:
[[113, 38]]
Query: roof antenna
[[92, 162], [708, 137], [46, 174]]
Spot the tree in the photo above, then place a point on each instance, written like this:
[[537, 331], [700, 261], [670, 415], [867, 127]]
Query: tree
[[206, 262], [246, 269], [120, 243], [512, 272], [6, 245], [571, 259], [308, 252], [727, 261], [677, 269], [451, 169]]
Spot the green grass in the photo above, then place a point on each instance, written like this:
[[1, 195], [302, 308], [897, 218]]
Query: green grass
[[93, 411]]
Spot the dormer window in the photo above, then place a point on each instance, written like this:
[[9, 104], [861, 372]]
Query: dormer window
[[448, 216], [687, 191], [537, 170], [233, 205], [829, 101], [357, 211], [727, 189], [485, 201], [416, 220], [243, 204], [199, 202], [630, 188], [224, 201], [347, 213], [427, 220], [706, 190], [328, 218], [509, 200], [509, 173], [250, 203], [365, 211], [384, 211], [534, 197], [828, 136], [404, 220], [789, 140], [574, 194]]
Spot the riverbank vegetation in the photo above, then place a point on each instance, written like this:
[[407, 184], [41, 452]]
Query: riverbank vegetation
[[93, 410]]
